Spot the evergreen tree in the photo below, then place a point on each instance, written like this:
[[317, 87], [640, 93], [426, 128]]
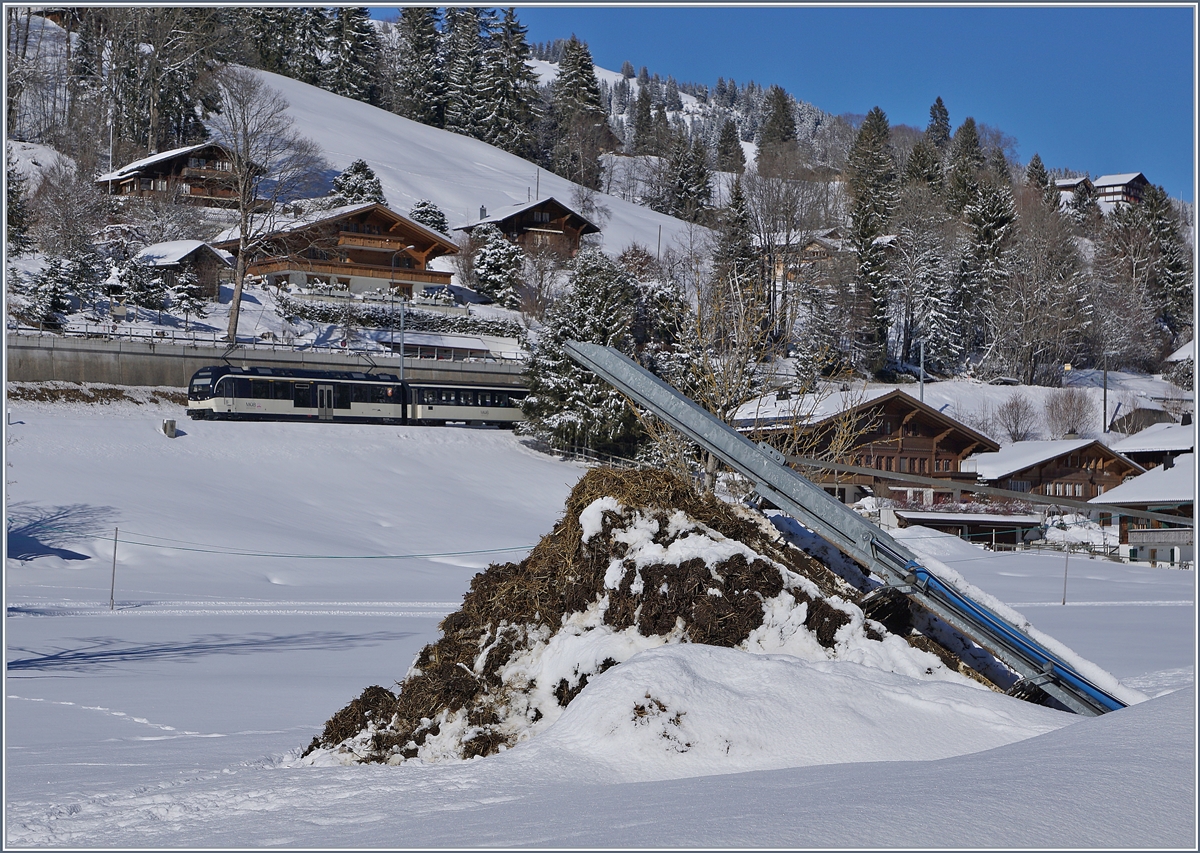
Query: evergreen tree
[[1036, 175], [509, 88], [1084, 209], [498, 266], [353, 53], [1171, 280], [310, 34], [671, 97], [421, 90], [16, 210], [48, 295], [569, 405], [643, 124], [465, 45], [141, 285], [691, 180], [83, 275], [734, 257], [990, 220], [924, 166], [871, 184], [730, 156], [430, 215], [580, 120], [359, 185], [627, 70], [777, 138], [966, 162], [938, 129], [186, 298]]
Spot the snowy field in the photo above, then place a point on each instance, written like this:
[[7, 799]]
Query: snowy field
[[267, 573]]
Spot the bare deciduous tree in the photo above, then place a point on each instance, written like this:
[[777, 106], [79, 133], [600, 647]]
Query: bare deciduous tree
[[271, 164], [1069, 411], [1017, 418]]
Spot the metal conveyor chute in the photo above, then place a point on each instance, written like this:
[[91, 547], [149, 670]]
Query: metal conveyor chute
[[857, 537]]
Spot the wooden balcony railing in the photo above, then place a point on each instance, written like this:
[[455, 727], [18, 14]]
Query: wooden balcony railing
[[277, 265], [370, 241]]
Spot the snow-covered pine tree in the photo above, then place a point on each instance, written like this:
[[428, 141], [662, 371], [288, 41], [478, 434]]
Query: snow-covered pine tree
[[142, 286], [690, 190], [467, 36], [308, 46], [1084, 209], [643, 123], [498, 266], [777, 138], [924, 166], [938, 129], [359, 185], [734, 257], [353, 53], [568, 405], [730, 156], [1171, 281], [83, 275], [16, 210], [966, 162], [579, 117], [48, 295], [871, 184], [671, 97], [186, 298], [420, 82], [430, 215], [509, 88]]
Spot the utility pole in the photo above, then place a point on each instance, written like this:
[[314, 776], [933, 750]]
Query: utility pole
[[923, 371], [112, 592]]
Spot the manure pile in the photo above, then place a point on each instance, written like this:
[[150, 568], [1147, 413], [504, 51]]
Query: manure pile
[[639, 560]]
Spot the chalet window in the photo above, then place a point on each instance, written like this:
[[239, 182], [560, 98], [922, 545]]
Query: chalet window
[[1099, 490], [891, 463], [1018, 485], [222, 165], [1073, 461], [887, 428], [903, 464], [924, 463], [541, 217], [197, 162]]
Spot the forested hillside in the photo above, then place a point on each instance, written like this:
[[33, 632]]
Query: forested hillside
[[846, 241]]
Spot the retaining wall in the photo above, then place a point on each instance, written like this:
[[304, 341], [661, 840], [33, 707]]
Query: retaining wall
[[42, 358]]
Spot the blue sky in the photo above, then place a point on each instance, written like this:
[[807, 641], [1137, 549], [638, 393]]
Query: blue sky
[[1097, 89]]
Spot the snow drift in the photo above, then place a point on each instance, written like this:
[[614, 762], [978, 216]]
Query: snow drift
[[639, 561]]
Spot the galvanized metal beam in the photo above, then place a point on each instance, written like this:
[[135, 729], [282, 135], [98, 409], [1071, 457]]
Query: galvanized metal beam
[[851, 533]]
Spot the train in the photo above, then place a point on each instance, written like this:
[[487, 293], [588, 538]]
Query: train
[[224, 392]]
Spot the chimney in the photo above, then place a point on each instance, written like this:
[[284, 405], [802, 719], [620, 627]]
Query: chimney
[[1186, 420], [482, 212], [1168, 462]]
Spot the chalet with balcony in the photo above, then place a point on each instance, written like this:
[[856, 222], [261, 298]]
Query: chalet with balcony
[[1168, 489], [355, 248], [198, 174], [1125, 188], [546, 224], [1079, 469], [889, 431]]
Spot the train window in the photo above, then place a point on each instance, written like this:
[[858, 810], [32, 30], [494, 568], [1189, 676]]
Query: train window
[[502, 399], [260, 389], [485, 398], [466, 398], [303, 395], [360, 393], [341, 395], [428, 396], [281, 390], [446, 396], [242, 388]]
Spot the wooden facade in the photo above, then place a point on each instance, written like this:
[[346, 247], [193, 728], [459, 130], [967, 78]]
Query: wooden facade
[[356, 248], [894, 433], [172, 258], [1078, 469], [545, 225], [1126, 188], [197, 174]]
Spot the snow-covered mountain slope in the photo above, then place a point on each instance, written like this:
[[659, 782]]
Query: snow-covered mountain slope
[[459, 174]]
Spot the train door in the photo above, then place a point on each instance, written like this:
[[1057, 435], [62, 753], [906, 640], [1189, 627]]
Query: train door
[[325, 402], [228, 386]]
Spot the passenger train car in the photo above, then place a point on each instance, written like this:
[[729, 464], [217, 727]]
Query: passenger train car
[[266, 393]]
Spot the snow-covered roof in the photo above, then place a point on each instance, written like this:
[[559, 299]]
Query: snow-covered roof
[[803, 408], [1185, 352], [1174, 485], [428, 339], [138, 165], [1024, 454], [513, 209], [1069, 183], [1158, 437], [1117, 180], [314, 215], [171, 253], [967, 517]]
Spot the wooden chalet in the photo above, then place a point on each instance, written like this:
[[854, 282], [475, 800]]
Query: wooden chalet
[[545, 224], [173, 257], [199, 174], [1126, 188], [1079, 469], [1168, 489], [888, 430], [1157, 444], [356, 248]]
